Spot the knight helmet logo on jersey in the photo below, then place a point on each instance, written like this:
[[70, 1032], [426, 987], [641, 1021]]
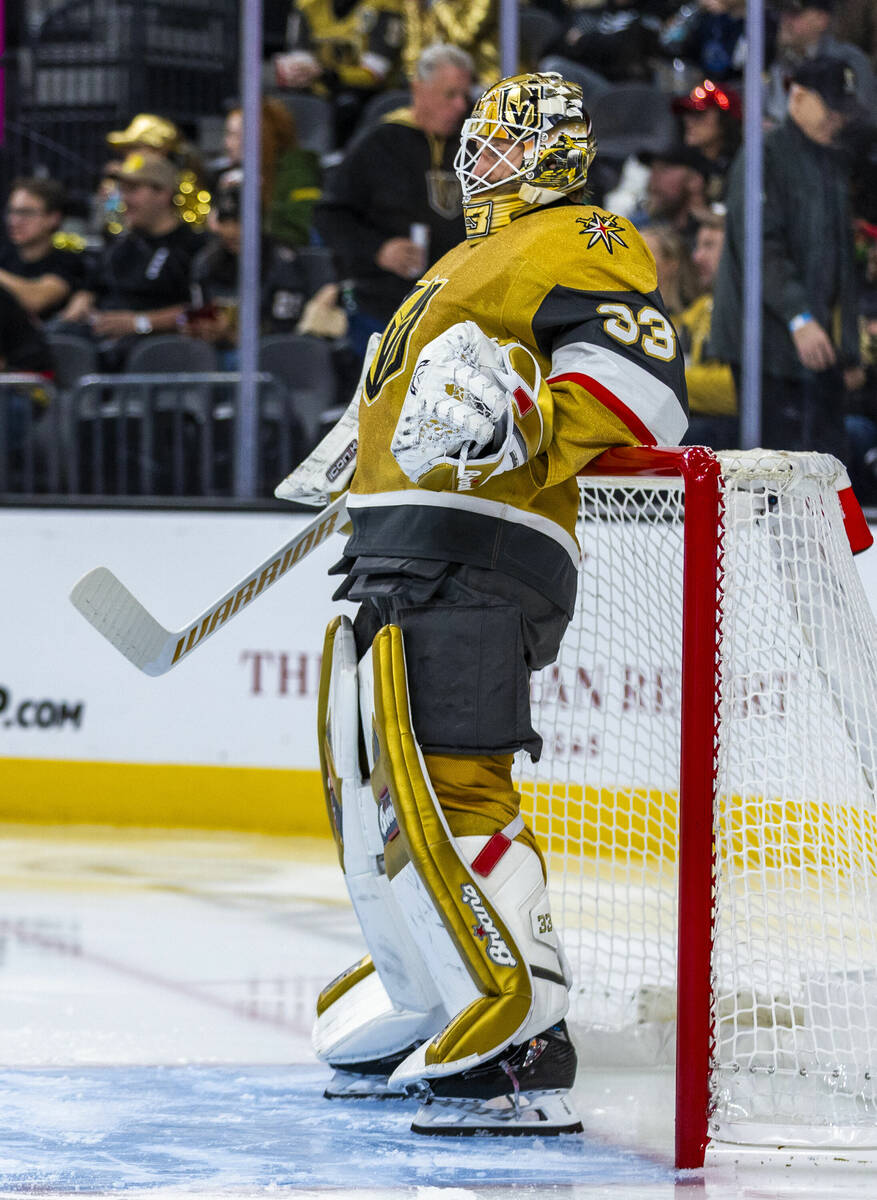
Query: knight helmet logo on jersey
[[392, 350]]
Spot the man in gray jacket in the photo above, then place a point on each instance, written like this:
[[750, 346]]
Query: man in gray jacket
[[810, 351]]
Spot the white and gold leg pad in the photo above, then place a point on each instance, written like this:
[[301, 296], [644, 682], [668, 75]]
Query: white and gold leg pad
[[388, 1002], [476, 906]]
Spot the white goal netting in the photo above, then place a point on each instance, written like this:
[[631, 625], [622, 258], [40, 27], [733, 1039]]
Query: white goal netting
[[794, 819]]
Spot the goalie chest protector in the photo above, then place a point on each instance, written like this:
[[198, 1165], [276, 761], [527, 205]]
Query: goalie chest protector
[[538, 280]]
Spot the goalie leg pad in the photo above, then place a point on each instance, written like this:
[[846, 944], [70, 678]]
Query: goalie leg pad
[[387, 1003], [363, 1021], [483, 916]]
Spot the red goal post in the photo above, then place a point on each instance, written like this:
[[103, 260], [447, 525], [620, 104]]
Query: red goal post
[[721, 628]]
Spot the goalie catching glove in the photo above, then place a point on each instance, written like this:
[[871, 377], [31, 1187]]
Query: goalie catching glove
[[474, 408]]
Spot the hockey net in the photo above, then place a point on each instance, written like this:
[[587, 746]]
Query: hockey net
[[706, 794]]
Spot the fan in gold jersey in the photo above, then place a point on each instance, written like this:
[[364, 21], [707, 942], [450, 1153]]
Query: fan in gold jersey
[[520, 355]]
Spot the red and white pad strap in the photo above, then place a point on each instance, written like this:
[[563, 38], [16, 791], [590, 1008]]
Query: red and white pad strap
[[487, 858]]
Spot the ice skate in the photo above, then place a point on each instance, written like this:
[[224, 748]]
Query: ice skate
[[523, 1093]]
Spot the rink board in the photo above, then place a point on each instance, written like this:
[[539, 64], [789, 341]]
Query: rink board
[[225, 740]]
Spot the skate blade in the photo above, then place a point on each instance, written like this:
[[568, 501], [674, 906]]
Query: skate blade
[[345, 1085], [539, 1115]]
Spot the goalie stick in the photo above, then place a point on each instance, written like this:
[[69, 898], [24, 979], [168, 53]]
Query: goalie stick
[[119, 616]]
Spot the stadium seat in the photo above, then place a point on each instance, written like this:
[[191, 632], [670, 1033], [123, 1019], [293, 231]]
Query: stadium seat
[[630, 117], [74, 357], [313, 120], [148, 429], [174, 354], [305, 367], [170, 353]]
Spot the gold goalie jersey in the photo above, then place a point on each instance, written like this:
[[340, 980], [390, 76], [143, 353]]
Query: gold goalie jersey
[[577, 286]]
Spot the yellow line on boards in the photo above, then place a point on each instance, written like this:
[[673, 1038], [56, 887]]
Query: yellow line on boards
[[627, 825], [163, 795]]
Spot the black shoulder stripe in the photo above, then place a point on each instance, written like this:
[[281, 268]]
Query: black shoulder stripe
[[567, 316]]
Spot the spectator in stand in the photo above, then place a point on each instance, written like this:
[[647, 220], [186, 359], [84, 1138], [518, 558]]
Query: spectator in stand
[[140, 283], [804, 33], [285, 285], [676, 189], [712, 397], [710, 35], [616, 39], [40, 275], [290, 174], [470, 25], [810, 318], [677, 280], [150, 134], [712, 122], [861, 415], [346, 50], [393, 204]]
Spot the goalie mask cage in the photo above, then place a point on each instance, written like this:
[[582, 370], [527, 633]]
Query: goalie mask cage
[[706, 794]]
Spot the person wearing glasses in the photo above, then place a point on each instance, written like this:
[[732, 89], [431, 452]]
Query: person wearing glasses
[[40, 274]]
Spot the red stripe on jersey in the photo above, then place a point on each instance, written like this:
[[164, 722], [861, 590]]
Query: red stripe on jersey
[[614, 403], [523, 402], [487, 858]]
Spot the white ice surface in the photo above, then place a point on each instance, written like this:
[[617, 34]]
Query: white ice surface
[[156, 992]]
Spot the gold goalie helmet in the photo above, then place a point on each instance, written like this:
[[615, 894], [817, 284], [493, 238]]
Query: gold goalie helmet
[[544, 116]]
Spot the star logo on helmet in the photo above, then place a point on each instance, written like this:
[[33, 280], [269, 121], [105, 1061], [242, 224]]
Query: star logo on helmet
[[602, 228]]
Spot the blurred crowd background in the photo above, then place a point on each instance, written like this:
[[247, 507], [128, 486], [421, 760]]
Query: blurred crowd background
[[121, 172]]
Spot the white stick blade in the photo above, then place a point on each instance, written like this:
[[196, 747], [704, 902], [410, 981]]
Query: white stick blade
[[118, 616]]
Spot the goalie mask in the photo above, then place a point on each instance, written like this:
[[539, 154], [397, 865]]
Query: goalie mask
[[527, 143]]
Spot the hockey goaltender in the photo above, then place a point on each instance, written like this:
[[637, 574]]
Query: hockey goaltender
[[519, 356]]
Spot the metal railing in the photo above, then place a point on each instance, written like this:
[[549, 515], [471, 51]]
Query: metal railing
[[141, 435], [30, 448]]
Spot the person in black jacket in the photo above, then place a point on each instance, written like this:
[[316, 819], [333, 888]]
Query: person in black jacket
[[140, 283], [810, 350], [393, 204], [39, 273], [213, 314]]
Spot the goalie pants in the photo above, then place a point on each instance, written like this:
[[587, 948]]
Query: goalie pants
[[472, 638]]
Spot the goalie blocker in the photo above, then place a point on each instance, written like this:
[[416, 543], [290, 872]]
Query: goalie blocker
[[464, 959]]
